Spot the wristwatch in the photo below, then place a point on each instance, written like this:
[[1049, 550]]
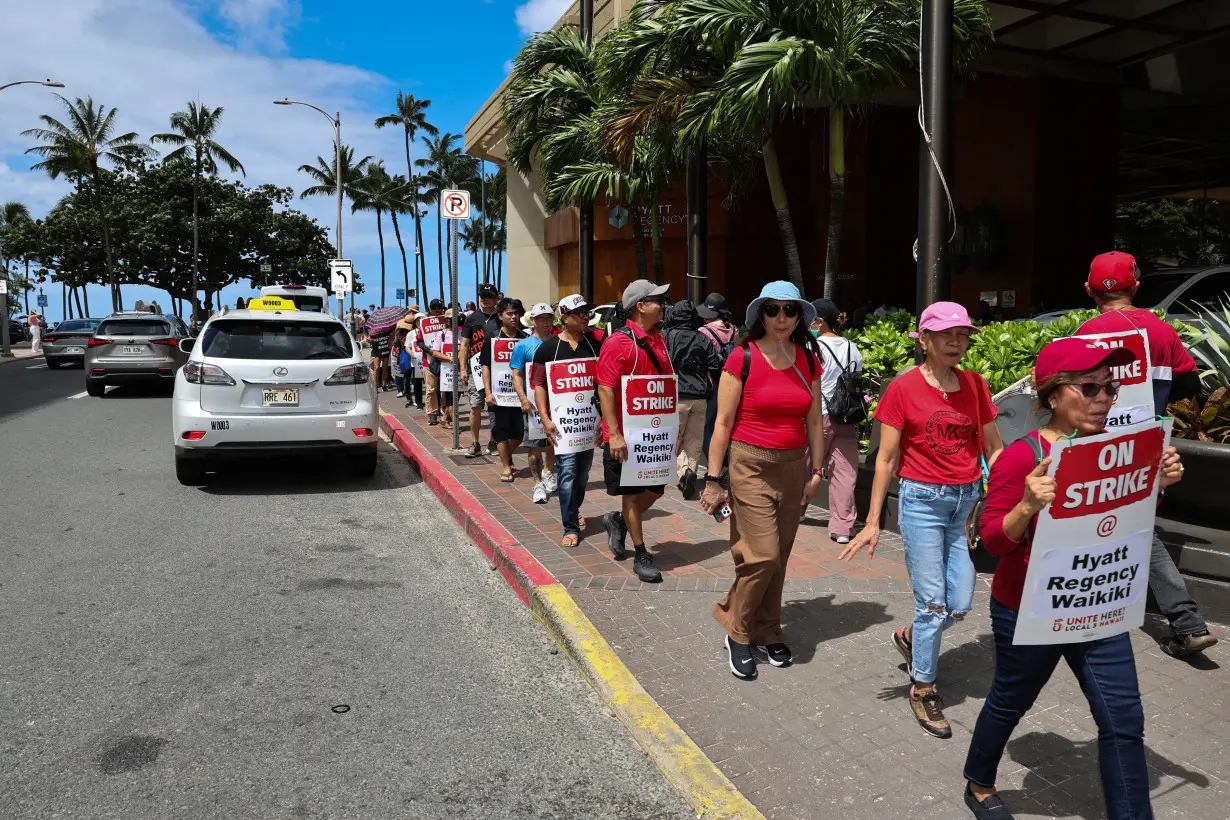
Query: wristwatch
[[716, 479]]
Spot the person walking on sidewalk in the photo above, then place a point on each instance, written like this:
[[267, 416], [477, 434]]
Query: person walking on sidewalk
[[431, 364], [768, 415], [571, 358], [1075, 387], [441, 360], [840, 358], [508, 428], [542, 456], [478, 326], [940, 421], [1112, 284], [35, 323], [415, 366], [719, 328], [697, 364], [635, 348]]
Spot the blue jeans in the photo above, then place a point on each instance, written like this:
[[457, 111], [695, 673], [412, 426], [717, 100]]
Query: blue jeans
[[572, 474], [932, 518], [1106, 670]]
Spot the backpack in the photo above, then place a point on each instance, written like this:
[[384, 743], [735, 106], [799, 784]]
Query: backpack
[[973, 524], [847, 404], [726, 347]]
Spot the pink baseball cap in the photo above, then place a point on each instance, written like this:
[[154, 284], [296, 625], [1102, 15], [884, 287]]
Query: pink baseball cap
[[944, 315]]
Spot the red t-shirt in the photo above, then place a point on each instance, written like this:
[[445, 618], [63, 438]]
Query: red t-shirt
[[1005, 490], [939, 436], [1167, 354], [773, 409], [620, 356]]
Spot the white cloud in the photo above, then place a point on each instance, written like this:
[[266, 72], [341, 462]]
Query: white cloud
[[260, 25], [508, 66], [540, 15]]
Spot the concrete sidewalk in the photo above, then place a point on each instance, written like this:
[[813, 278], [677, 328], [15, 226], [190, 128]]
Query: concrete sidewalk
[[834, 736], [21, 352]]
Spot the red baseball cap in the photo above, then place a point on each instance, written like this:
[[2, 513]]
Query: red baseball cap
[[1112, 271], [1074, 355]]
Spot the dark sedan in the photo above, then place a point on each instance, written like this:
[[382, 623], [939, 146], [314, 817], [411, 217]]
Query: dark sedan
[[66, 344]]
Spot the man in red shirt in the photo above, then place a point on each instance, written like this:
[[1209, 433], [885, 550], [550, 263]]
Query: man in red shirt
[[1113, 282], [636, 349]]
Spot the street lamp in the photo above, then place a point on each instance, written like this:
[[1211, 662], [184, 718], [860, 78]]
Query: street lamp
[[5, 349], [337, 159]]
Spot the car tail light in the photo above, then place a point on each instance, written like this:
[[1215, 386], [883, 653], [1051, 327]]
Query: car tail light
[[194, 435], [49, 339], [95, 341], [197, 373], [350, 374], [362, 432], [168, 342]]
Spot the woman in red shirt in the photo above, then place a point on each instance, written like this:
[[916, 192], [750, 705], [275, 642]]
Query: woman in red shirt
[[941, 422], [768, 413], [1074, 385]]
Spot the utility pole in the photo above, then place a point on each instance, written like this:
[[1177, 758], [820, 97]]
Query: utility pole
[[935, 156], [585, 223], [453, 225], [698, 226]]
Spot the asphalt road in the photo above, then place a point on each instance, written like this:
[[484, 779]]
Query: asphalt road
[[275, 644]]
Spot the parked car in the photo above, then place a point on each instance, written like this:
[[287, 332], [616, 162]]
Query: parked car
[[132, 348], [1174, 291], [18, 330], [306, 297], [272, 381], [67, 342]]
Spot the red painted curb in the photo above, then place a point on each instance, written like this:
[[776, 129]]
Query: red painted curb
[[520, 569]]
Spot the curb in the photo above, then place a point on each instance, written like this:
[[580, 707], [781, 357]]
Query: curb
[[709, 792], [10, 359]]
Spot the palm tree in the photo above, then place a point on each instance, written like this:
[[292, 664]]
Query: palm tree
[[12, 215], [192, 131], [78, 149], [323, 173], [411, 115], [379, 192], [443, 161]]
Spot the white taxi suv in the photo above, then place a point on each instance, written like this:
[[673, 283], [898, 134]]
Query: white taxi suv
[[270, 380]]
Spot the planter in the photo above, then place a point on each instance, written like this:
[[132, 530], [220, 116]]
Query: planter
[[1200, 498]]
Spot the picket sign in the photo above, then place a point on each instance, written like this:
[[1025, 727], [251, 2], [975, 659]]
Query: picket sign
[[431, 327], [1089, 560], [446, 368], [1135, 402], [476, 371], [533, 425], [651, 428], [501, 372], [573, 403]]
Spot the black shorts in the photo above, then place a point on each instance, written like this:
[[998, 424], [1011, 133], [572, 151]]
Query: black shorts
[[509, 424], [612, 468]]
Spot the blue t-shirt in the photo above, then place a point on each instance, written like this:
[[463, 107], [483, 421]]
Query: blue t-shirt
[[524, 352]]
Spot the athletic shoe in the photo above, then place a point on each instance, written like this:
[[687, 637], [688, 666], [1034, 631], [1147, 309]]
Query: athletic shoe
[[687, 485], [779, 654], [989, 808], [840, 539], [739, 657], [549, 481], [539, 495], [616, 532], [475, 451], [399, 395], [433, 421], [492, 448], [643, 566], [1184, 646], [929, 710]]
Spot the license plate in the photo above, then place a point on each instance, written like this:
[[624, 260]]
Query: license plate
[[132, 350], [74, 351], [280, 398]]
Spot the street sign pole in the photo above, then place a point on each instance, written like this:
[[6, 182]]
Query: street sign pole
[[5, 349], [456, 342]]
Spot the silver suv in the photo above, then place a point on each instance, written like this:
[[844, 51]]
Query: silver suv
[[133, 348]]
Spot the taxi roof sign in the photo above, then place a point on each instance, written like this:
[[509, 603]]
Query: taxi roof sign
[[270, 303]]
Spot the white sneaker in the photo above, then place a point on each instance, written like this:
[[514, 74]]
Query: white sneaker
[[400, 394], [549, 481], [540, 494]]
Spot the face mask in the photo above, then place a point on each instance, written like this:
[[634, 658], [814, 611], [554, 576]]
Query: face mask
[[815, 333]]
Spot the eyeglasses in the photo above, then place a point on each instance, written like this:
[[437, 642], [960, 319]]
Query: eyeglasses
[[1090, 390], [584, 314], [657, 300], [791, 309]]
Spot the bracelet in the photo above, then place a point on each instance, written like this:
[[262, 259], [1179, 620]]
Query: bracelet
[[817, 472], [716, 479]]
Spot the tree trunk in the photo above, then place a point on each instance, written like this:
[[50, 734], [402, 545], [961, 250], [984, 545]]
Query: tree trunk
[[66, 309], [477, 274], [420, 255], [499, 272], [196, 239], [655, 236], [638, 243], [777, 191], [440, 251], [837, 198], [85, 294], [405, 266], [77, 298], [116, 304], [380, 236]]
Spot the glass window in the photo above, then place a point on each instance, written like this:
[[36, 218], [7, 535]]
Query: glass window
[[1210, 291], [311, 303], [274, 339], [134, 327], [1155, 288], [72, 325]]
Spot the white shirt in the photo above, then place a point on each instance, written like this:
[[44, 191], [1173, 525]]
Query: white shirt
[[834, 350]]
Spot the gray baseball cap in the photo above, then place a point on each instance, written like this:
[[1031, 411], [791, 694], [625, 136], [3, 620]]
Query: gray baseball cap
[[640, 290]]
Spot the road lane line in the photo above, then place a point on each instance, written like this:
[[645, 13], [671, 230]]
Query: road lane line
[[80, 395], [36, 366]]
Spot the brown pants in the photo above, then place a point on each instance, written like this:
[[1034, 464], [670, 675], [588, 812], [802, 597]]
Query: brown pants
[[432, 384], [765, 489]]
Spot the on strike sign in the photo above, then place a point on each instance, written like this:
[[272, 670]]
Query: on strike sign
[[573, 403], [1135, 402], [501, 372], [651, 428], [446, 368], [431, 327], [1089, 563]]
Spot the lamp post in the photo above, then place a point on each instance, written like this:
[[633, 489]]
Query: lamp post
[[5, 348], [336, 120]]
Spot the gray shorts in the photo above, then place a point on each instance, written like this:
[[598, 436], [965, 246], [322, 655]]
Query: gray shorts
[[478, 396], [536, 443]]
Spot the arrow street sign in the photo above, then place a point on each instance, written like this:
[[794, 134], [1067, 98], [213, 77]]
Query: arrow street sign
[[266, 267], [401, 294], [455, 204], [341, 275]]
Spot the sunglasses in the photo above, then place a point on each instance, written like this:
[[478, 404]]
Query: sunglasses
[[657, 300], [1090, 390], [584, 314], [772, 309]]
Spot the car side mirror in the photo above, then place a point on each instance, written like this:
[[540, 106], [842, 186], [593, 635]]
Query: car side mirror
[[186, 345]]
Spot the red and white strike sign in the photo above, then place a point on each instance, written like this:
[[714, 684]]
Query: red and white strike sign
[[573, 404], [431, 327], [1135, 402], [651, 429], [455, 204], [501, 372]]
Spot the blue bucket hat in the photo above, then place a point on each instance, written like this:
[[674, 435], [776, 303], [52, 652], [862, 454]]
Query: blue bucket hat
[[781, 291]]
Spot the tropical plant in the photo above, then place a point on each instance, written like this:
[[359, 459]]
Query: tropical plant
[[192, 131], [379, 192], [449, 169], [1203, 419], [1210, 346], [323, 173], [77, 150], [411, 114], [13, 215], [1182, 231]]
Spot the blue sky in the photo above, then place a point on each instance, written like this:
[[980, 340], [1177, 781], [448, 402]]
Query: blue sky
[[148, 57]]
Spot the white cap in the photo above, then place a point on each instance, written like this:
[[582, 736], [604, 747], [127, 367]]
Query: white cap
[[572, 303], [540, 309]]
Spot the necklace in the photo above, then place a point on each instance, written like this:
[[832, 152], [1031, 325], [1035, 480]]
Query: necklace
[[939, 385]]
